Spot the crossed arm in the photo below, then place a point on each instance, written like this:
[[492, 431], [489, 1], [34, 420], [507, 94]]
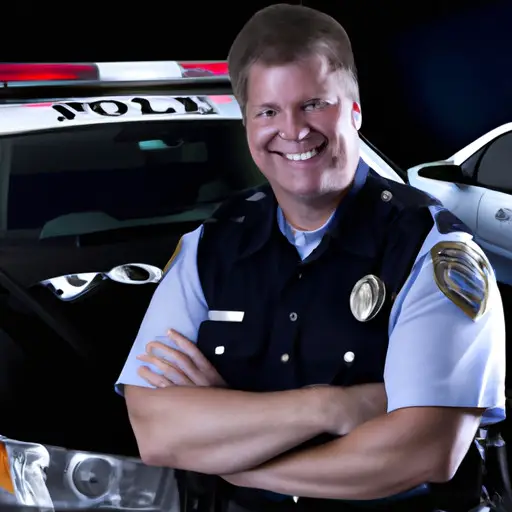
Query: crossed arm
[[197, 424], [213, 430], [193, 422], [246, 436], [385, 456]]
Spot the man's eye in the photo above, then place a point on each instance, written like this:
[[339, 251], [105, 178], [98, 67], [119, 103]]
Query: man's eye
[[315, 105], [267, 113]]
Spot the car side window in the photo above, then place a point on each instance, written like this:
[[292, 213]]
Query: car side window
[[495, 167]]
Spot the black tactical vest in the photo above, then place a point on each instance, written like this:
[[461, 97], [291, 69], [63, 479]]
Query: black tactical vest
[[297, 326]]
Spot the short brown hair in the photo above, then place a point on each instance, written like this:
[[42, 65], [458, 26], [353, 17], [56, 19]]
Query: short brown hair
[[282, 33]]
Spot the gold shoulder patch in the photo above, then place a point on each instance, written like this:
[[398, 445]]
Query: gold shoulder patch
[[462, 272], [168, 265]]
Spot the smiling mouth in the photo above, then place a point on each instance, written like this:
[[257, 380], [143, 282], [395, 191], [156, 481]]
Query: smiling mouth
[[308, 155]]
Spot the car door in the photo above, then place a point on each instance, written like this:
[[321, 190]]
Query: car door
[[494, 174], [476, 185]]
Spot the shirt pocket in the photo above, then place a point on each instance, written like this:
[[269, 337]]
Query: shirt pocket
[[235, 349]]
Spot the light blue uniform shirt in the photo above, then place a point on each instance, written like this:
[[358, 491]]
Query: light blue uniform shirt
[[437, 355]]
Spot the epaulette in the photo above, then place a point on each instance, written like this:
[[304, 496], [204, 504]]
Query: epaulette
[[402, 195], [407, 198], [235, 208]]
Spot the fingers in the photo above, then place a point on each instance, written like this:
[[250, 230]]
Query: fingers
[[191, 349], [177, 359], [170, 372], [197, 357], [152, 378], [176, 366], [186, 364]]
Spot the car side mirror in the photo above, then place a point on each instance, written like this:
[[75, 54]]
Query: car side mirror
[[446, 172]]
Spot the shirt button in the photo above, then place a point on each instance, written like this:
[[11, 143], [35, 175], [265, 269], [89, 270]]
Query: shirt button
[[293, 316], [285, 358], [386, 196], [349, 357]]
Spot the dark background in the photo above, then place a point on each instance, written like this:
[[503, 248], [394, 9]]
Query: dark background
[[433, 75]]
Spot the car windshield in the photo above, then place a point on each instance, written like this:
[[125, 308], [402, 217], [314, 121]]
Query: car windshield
[[80, 180]]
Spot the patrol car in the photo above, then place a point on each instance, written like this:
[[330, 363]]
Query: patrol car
[[102, 168]]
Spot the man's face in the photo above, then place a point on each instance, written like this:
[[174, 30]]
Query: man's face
[[301, 128]]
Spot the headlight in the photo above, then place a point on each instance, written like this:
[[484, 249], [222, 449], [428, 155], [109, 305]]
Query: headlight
[[55, 478]]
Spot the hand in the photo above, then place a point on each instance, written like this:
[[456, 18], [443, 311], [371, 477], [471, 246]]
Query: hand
[[352, 406], [184, 367]]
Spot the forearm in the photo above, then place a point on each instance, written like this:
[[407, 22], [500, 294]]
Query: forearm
[[379, 459], [212, 430]]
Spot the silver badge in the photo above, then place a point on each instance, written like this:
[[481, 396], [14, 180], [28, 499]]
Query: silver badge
[[367, 298]]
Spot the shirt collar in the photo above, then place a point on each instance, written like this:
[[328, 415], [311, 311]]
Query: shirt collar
[[265, 216], [298, 237]]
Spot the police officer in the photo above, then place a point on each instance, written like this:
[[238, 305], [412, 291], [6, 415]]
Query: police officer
[[329, 275]]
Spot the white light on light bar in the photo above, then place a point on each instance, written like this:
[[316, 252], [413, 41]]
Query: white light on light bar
[[121, 71]]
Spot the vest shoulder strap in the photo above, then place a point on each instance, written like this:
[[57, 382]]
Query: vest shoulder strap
[[222, 232]]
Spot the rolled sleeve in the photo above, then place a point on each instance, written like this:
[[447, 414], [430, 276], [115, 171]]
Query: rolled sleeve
[[178, 303], [438, 356]]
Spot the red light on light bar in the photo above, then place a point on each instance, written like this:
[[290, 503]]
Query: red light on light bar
[[47, 72], [220, 99], [198, 69]]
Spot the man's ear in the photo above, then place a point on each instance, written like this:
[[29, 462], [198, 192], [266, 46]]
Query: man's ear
[[357, 118]]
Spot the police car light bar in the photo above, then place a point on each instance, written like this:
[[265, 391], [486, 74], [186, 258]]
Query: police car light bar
[[47, 72], [28, 73], [208, 68]]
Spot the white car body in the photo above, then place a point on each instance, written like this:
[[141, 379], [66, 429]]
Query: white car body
[[486, 211]]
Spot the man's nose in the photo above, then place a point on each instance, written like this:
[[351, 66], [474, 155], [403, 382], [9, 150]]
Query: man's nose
[[293, 127]]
